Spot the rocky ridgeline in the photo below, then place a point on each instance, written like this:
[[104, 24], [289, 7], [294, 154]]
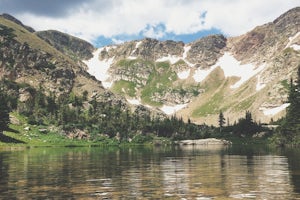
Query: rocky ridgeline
[[265, 42], [74, 47], [13, 19], [203, 52], [19, 62], [146, 49], [151, 49], [270, 45], [206, 51], [134, 61], [45, 68]]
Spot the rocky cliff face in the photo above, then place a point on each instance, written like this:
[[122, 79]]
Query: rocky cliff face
[[28, 60], [266, 41], [22, 63], [206, 51], [74, 47], [146, 49], [276, 47], [197, 80]]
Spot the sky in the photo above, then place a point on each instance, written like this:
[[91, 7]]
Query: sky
[[104, 22]]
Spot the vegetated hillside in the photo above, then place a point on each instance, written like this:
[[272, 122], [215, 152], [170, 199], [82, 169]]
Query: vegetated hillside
[[197, 80], [30, 62], [54, 94], [74, 47]]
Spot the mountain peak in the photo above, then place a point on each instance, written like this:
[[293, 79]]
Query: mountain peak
[[74, 47], [292, 14], [288, 21], [15, 20]]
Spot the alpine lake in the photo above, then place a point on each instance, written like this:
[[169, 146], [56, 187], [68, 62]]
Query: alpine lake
[[165, 172]]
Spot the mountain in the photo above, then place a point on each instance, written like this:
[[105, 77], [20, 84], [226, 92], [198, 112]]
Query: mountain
[[13, 19], [195, 80], [74, 47], [213, 74], [28, 60]]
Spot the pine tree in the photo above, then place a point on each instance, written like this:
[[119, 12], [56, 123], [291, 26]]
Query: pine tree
[[4, 111], [292, 124], [221, 120]]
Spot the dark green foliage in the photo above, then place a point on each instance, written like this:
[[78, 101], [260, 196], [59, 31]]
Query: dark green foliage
[[221, 119], [289, 130], [7, 32], [246, 126], [8, 102], [101, 120], [293, 111], [4, 111]]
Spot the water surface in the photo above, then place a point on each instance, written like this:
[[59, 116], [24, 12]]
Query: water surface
[[236, 172]]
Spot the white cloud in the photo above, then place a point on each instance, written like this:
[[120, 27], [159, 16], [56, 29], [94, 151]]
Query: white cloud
[[132, 17], [236, 17], [116, 41], [154, 32]]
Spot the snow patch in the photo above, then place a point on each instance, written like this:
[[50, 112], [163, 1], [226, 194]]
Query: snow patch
[[184, 74], [169, 110], [291, 40], [201, 74], [260, 85], [296, 47], [189, 64], [132, 57], [275, 110], [107, 48], [186, 50], [99, 68], [173, 59], [138, 44], [134, 101], [184, 56], [231, 67]]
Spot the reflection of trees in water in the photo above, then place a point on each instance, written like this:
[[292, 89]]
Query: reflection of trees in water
[[4, 176], [259, 176], [293, 156], [175, 176], [82, 172]]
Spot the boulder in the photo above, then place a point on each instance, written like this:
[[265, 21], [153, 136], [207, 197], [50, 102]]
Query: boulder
[[208, 141]]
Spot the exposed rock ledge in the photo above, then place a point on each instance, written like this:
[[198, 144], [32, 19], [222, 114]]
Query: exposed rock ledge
[[208, 141]]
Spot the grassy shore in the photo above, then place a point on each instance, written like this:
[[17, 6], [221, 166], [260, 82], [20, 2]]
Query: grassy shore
[[23, 134]]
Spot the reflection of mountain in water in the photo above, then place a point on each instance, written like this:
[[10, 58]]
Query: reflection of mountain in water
[[169, 173]]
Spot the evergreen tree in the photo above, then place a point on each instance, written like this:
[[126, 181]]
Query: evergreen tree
[[4, 111], [221, 120], [292, 124], [246, 126]]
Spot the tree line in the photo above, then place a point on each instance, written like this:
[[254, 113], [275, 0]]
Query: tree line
[[96, 118], [244, 127], [117, 120], [289, 126]]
